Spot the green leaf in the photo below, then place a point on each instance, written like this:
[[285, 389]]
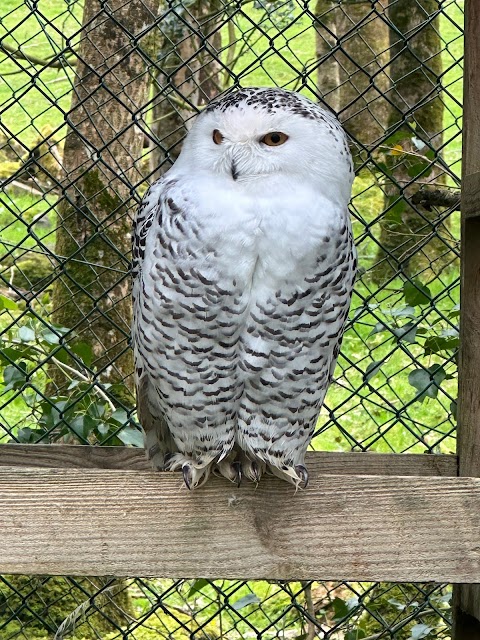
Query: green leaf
[[397, 604], [26, 334], [14, 376], [419, 166], [10, 354], [378, 328], [357, 634], [372, 370], [103, 429], [453, 408], [96, 410], [77, 425], [7, 303], [416, 294], [419, 631], [132, 436], [62, 354], [403, 312], [29, 436], [24, 435], [394, 214], [251, 598], [84, 351], [407, 333], [427, 381], [437, 344], [455, 311], [340, 608], [49, 336], [395, 138], [197, 586], [441, 599], [120, 415]]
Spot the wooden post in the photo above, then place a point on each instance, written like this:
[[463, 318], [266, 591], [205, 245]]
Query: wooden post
[[466, 599]]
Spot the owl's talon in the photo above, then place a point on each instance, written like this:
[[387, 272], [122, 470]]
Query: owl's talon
[[187, 476], [167, 457], [237, 469], [257, 473], [302, 474]]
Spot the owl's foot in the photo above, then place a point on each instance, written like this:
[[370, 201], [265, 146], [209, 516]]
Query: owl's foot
[[194, 477], [230, 468], [253, 469], [158, 457], [297, 475], [237, 466], [194, 474], [302, 475]]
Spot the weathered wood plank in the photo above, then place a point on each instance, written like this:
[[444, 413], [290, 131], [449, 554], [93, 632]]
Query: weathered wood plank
[[318, 462], [466, 598], [470, 203], [141, 523]]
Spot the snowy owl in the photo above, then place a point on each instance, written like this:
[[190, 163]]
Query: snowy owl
[[243, 269]]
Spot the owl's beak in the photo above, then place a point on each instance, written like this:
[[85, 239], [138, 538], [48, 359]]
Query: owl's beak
[[234, 170]]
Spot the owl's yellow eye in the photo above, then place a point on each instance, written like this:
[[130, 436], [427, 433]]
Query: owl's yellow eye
[[274, 139], [217, 137]]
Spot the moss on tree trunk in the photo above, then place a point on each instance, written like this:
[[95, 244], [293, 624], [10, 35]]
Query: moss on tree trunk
[[352, 51], [410, 238], [189, 75], [102, 150]]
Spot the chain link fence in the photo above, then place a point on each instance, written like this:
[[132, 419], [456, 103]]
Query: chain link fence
[[95, 98]]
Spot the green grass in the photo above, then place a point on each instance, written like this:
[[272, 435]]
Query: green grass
[[379, 416], [39, 97]]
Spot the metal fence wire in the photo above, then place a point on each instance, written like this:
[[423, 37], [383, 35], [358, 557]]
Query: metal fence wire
[[95, 98]]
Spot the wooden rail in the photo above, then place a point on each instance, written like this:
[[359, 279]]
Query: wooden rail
[[318, 462], [101, 511]]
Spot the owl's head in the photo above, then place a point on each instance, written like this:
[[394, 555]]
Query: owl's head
[[268, 133]]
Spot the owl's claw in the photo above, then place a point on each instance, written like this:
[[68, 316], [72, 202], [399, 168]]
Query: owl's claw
[[256, 471], [237, 469], [187, 476], [302, 474], [167, 458]]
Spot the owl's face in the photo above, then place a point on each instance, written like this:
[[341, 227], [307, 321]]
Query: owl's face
[[258, 135]]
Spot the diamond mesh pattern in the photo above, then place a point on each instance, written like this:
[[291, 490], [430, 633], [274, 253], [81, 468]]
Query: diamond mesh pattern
[[95, 98]]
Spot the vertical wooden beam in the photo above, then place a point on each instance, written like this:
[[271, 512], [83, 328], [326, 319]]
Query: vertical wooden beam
[[466, 598]]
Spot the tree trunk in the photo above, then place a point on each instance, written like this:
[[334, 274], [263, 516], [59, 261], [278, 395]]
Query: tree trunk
[[102, 149], [410, 237], [352, 50], [189, 75]]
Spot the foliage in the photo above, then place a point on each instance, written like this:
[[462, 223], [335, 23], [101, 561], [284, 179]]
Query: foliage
[[84, 411], [436, 336], [51, 598]]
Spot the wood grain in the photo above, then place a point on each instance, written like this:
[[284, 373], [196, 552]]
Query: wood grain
[[470, 203], [141, 523], [318, 462], [466, 598]]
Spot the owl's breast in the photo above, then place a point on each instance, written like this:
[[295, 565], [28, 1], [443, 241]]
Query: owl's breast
[[268, 229]]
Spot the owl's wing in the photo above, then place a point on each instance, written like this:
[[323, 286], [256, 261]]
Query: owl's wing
[[158, 440]]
